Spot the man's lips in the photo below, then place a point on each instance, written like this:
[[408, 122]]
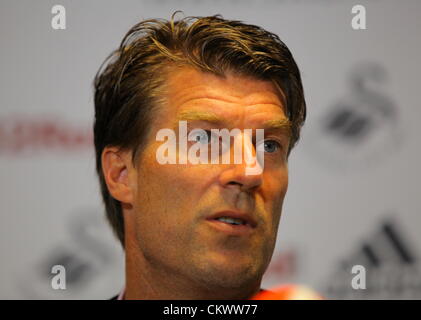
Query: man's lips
[[248, 222]]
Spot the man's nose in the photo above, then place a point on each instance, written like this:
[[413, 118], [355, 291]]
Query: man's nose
[[239, 174]]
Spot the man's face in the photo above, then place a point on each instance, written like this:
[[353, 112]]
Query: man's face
[[174, 203]]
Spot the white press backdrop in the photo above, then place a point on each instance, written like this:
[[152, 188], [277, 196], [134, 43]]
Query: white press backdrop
[[354, 195]]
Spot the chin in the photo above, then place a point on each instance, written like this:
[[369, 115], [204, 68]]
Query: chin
[[231, 276]]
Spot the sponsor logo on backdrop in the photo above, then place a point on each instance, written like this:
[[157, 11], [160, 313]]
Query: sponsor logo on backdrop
[[80, 265], [362, 128], [391, 263], [30, 135]]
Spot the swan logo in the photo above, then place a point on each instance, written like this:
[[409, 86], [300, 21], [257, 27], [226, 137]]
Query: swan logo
[[362, 127], [85, 263]]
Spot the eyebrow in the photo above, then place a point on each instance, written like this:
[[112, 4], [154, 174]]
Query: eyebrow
[[200, 116], [283, 124]]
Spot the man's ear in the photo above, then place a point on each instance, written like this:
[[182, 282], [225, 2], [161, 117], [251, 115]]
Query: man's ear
[[116, 167]]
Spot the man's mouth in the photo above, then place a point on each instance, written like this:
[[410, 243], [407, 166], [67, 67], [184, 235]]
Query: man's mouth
[[234, 223]]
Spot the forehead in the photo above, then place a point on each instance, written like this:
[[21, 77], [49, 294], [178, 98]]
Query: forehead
[[233, 97]]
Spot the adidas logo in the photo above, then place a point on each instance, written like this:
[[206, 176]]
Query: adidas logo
[[392, 268]]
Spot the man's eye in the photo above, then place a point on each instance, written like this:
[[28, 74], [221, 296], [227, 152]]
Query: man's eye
[[271, 146], [202, 136]]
